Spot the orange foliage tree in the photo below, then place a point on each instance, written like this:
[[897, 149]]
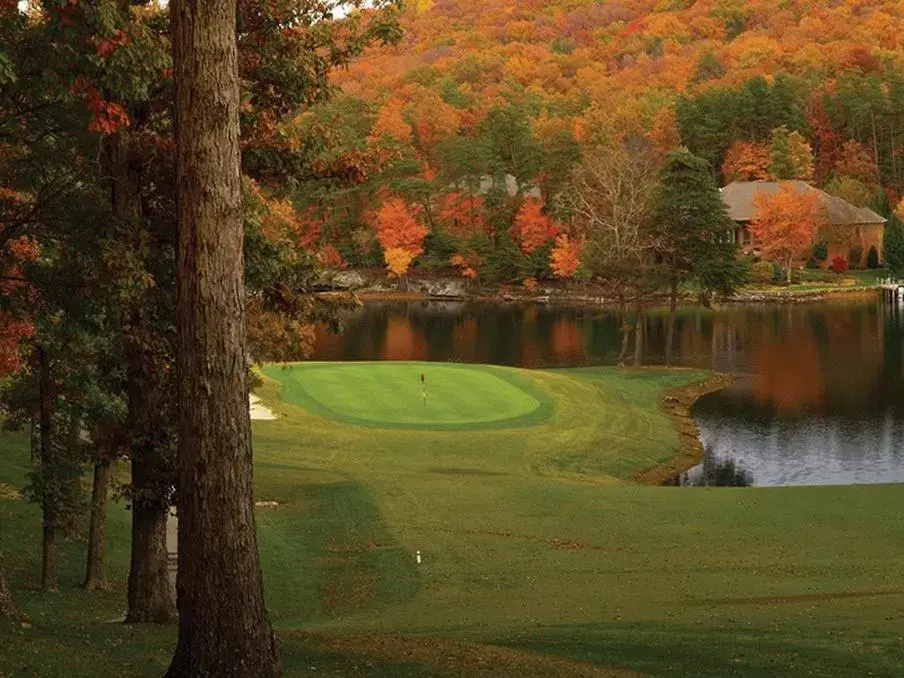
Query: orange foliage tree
[[565, 257], [400, 234], [468, 264], [533, 229], [746, 161], [786, 224]]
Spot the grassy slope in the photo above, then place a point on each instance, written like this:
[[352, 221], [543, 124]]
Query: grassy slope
[[530, 539]]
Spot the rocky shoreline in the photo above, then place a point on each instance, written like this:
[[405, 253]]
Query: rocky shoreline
[[374, 286]]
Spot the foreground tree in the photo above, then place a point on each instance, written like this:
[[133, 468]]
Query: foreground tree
[[694, 231], [786, 225], [223, 625]]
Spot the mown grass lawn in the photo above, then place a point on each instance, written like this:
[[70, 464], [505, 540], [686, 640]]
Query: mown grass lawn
[[539, 555]]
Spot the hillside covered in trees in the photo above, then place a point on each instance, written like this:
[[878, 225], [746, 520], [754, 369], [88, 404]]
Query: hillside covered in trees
[[766, 89]]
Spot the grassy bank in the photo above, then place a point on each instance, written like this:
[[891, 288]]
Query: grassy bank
[[540, 555]]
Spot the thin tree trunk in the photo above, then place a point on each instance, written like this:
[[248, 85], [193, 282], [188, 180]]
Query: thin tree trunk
[[48, 578], [638, 335], [95, 578], [7, 609], [625, 329], [876, 150], [670, 333], [224, 629]]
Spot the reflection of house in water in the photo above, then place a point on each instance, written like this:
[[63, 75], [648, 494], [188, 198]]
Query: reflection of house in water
[[848, 225]]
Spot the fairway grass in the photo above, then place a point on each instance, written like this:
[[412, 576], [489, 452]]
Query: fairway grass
[[414, 395], [540, 556]]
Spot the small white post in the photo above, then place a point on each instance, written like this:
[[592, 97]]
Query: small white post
[[418, 557]]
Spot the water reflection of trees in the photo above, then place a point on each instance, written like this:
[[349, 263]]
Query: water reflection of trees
[[717, 472]]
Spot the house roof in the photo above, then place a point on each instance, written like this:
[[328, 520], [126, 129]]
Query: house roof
[[740, 198]]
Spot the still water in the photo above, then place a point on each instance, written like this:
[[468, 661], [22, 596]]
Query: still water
[[819, 397]]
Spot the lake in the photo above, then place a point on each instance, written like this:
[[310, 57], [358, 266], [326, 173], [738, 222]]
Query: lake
[[819, 397]]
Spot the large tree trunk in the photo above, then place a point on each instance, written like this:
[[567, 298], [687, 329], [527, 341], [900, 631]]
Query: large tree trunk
[[48, 513], [95, 579], [150, 595], [670, 333], [224, 629]]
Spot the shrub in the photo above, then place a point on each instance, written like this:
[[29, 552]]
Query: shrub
[[839, 265], [821, 251], [872, 258], [855, 256], [778, 274], [761, 272]]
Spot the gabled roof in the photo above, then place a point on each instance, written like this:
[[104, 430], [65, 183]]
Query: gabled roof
[[740, 198]]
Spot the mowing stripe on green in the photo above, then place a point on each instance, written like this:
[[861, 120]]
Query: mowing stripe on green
[[390, 394]]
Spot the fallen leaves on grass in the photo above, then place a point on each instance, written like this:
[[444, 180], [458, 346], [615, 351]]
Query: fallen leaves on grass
[[9, 492]]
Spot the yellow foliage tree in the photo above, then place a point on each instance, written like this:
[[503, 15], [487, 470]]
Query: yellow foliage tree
[[398, 260]]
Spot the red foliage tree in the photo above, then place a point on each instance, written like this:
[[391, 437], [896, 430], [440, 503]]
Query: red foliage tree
[[399, 228], [462, 213], [746, 161], [533, 229]]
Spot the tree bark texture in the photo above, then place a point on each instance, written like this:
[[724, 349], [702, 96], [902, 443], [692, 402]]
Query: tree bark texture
[[224, 629], [150, 594], [95, 577]]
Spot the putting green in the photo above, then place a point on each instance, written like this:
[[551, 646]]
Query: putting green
[[391, 394]]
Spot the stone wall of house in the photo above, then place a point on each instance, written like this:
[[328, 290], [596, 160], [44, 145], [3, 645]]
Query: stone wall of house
[[841, 239]]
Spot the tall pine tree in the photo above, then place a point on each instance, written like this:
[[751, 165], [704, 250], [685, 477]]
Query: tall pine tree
[[694, 232]]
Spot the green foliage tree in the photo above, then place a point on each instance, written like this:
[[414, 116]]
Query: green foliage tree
[[893, 246], [790, 156], [693, 232], [705, 123]]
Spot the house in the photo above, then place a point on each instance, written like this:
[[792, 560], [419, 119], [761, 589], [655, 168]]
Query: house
[[848, 225]]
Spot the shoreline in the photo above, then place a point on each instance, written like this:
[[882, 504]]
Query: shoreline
[[456, 289], [744, 297], [677, 404]]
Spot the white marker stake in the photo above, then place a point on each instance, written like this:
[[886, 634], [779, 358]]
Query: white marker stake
[[418, 556]]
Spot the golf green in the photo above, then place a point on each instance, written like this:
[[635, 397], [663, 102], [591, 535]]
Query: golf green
[[414, 395]]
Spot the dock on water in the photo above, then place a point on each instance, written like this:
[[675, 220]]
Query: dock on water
[[892, 290]]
